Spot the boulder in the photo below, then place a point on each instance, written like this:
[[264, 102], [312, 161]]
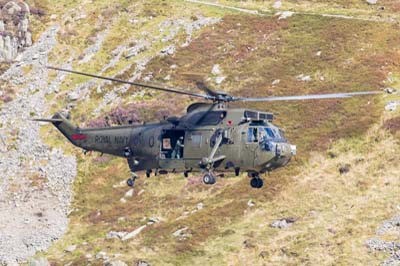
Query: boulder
[[70, 249], [303, 77], [277, 4], [170, 50], [133, 233], [216, 70], [117, 235], [182, 233], [73, 96], [392, 106], [219, 79], [389, 90], [101, 256], [38, 262], [344, 168], [153, 220], [248, 244], [14, 29], [283, 223], [285, 14], [23, 25], [129, 193], [11, 8], [142, 263], [263, 254], [115, 263], [250, 203], [276, 82], [24, 7]]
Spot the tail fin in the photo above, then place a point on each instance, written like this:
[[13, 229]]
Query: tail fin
[[63, 125]]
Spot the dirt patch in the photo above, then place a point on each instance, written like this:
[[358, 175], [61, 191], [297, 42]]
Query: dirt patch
[[392, 125]]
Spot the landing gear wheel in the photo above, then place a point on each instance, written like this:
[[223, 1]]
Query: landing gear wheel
[[186, 174], [130, 182], [256, 182], [209, 179], [260, 183]]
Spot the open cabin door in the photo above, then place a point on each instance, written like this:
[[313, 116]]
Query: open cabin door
[[172, 149]]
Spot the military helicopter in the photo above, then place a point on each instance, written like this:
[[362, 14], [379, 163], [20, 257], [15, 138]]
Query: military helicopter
[[210, 137]]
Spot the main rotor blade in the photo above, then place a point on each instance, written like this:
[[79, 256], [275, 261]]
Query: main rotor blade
[[143, 85], [307, 97], [202, 86], [49, 120]]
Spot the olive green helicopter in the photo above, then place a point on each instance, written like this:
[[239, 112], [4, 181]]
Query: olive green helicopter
[[210, 138]]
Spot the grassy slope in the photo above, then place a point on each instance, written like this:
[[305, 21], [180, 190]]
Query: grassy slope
[[358, 8], [252, 51]]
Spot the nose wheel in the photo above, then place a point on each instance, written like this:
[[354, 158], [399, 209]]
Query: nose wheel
[[209, 178], [131, 181], [256, 182]]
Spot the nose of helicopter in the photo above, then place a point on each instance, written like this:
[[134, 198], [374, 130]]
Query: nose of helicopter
[[285, 150], [278, 155]]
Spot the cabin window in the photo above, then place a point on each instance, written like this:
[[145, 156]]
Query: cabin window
[[196, 139]]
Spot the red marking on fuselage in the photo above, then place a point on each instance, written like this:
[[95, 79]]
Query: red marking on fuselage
[[78, 136]]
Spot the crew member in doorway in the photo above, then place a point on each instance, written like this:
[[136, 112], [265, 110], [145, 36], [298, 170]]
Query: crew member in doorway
[[178, 150]]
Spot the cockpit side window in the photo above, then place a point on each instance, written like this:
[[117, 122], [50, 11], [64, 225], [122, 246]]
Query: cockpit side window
[[269, 132], [252, 135]]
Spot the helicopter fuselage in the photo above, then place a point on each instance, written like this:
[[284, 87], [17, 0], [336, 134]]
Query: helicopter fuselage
[[208, 137]]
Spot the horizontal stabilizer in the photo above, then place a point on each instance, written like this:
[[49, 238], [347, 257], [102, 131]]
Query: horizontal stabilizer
[[50, 120]]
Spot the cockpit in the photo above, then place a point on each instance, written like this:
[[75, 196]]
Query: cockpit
[[265, 133]]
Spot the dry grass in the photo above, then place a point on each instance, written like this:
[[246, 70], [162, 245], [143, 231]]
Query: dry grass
[[384, 9], [335, 213], [393, 125]]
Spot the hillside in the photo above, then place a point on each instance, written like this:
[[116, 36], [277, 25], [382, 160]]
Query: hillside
[[76, 207]]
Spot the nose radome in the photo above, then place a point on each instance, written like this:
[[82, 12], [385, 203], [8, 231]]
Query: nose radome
[[285, 150]]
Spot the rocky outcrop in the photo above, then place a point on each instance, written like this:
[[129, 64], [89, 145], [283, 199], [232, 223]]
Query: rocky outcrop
[[35, 179], [14, 29]]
